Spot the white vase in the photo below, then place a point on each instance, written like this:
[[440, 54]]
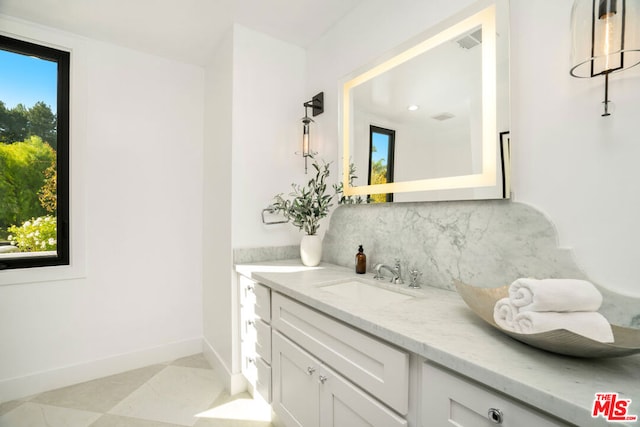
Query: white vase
[[311, 250]]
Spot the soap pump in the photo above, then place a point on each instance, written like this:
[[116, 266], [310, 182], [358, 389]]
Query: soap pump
[[361, 261]]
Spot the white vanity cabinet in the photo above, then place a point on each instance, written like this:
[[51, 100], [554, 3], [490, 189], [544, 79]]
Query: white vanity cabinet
[[451, 400], [328, 374], [255, 335]]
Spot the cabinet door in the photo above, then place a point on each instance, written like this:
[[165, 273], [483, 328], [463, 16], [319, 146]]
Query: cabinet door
[[343, 404], [295, 384], [375, 366], [450, 400]]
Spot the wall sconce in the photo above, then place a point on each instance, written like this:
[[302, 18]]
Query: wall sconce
[[317, 107], [606, 39]]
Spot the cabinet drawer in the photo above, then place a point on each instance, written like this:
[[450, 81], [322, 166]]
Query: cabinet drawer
[[255, 298], [379, 368], [249, 367], [263, 302], [256, 339], [247, 327], [247, 296], [263, 380], [263, 340], [451, 400]]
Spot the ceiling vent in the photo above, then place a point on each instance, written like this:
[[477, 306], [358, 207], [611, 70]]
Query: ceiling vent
[[443, 116], [470, 40]]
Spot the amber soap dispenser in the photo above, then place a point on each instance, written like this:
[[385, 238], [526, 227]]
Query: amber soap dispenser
[[361, 261]]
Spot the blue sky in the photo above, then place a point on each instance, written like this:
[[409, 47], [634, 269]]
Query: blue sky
[[27, 80], [381, 143]]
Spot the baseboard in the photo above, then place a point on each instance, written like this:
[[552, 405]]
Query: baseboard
[[38, 382], [234, 382]]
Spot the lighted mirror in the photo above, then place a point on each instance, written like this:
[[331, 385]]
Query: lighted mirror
[[444, 97]]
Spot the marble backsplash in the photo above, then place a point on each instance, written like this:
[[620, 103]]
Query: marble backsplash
[[269, 253], [481, 243]]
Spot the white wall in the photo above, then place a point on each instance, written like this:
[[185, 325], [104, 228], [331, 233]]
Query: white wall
[[217, 276], [570, 163], [268, 93], [137, 185], [254, 97]]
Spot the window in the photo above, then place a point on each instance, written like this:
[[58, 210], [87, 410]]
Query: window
[[34, 155], [381, 148]]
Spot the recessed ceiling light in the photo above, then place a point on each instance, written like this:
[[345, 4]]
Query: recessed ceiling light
[[413, 107]]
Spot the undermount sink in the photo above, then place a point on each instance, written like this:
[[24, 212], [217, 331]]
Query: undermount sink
[[371, 295]]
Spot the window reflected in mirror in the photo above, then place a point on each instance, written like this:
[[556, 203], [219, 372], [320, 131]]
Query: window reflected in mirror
[[381, 160]]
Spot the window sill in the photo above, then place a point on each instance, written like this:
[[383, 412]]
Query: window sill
[[19, 276]]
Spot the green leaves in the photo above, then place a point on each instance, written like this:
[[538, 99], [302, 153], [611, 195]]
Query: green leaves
[[309, 203], [23, 174], [339, 189], [36, 235]]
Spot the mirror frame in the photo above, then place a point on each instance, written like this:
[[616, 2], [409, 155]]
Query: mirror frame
[[484, 14]]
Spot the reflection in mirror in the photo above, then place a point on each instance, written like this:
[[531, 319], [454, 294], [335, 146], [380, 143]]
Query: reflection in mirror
[[381, 160], [445, 97]]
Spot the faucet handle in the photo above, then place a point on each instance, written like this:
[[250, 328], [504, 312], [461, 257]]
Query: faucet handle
[[415, 276]]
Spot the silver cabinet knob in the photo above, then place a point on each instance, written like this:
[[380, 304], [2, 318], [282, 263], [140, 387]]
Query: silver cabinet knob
[[322, 379], [310, 370], [251, 322], [495, 415]]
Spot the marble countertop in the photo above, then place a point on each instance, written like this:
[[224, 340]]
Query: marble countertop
[[437, 325]]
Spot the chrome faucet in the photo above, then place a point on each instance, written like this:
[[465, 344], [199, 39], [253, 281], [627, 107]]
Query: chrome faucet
[[396, 271]]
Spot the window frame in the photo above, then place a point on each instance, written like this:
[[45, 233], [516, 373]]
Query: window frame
[[63, 60], [391, 134]]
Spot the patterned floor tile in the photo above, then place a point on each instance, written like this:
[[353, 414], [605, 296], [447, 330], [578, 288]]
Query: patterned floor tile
[[99, 395], [175, 395], [109, 420], [30, 414], [240, 410], [195, 361]]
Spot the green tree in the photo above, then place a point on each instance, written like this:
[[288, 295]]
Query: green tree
[[19, 123], [22, 176], [42, 122], [48, 193], [378, 176], [13, 123]]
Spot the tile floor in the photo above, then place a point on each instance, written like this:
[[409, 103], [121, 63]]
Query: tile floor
[[184, 392]]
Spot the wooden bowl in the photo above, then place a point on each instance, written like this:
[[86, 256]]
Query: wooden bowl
[[482, 300]]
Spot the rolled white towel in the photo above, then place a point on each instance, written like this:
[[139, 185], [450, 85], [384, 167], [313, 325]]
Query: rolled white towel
[[554, 295], [504, 313], [592, 325]]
